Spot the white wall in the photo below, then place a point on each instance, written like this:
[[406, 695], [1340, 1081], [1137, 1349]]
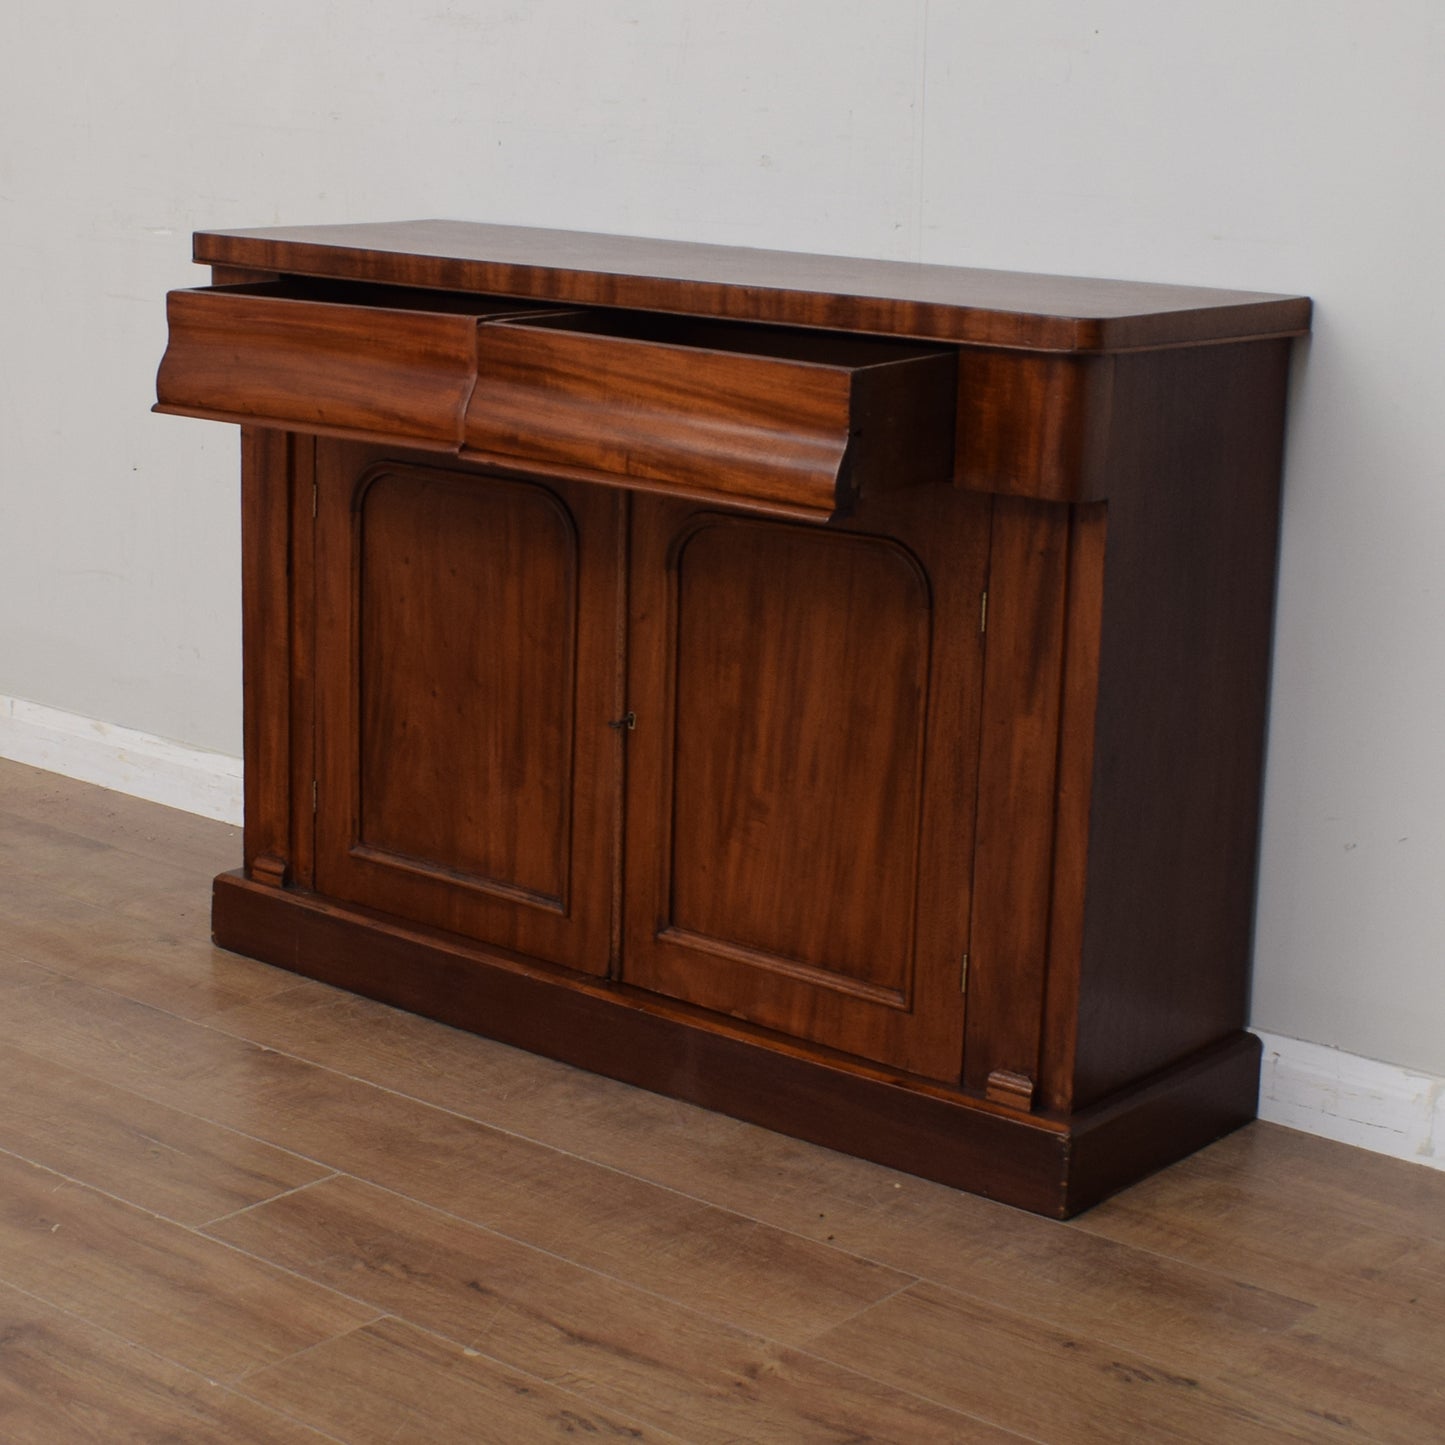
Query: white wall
[[1276, 144]]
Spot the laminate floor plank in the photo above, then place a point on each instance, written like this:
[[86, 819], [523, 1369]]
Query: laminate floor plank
[[723, 1160], [66, 1382], [1315, 1242], [35, 852], [1050, 1384], [1270, 1166], [1323, 1380], [169, 962], [1373, 1348], [390, 1384], [1129, 1296], [190, 1299], [18, 973], [200, 845], [147, 1154], [232, 1200], [616, 1346], [1410, 1197], [1219, 1306], [761, 1277]]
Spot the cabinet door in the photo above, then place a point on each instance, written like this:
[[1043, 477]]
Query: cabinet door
[[467, 672], [801, 776]]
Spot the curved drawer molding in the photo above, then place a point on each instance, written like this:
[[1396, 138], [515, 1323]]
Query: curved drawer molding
[[794, 422], [367, 361]]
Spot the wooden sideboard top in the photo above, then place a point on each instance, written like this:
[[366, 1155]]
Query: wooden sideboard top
[[901, 298]]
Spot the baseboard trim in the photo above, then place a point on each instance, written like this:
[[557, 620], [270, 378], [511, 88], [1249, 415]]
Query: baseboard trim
[[121, 759], [1375, 1106]]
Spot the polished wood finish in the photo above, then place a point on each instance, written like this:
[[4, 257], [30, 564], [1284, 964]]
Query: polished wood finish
[[1182, 695], [802, 773], [1034, 426], [270, 463], [278, 509], [467, 771], [1013, 844], [801, 420], [844, 293], [831, 691], [290, 1214], [311, 357], [823, 1096]]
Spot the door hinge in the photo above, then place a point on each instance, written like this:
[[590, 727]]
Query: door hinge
[[315, 488], [314, 791], [983, 612], [963, 976]]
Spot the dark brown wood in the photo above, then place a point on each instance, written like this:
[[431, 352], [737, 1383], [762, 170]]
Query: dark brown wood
[[1013, 845], [240, 276], [795, 419], [885, 769], [810, 1093], [268, 868], [899, 298], [1078, 706], [802, 772], [1210, 1094], [1183, 680], [1016, 1091], [315, 357], [466, 763], [648, 1041], [303, 659], [1034, 426], [267, 481]]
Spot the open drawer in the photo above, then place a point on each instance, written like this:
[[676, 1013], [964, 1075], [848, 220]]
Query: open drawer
[[327, 356], [791, 421]]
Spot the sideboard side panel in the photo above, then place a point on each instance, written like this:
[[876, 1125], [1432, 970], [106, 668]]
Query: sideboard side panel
[[1183, 694]]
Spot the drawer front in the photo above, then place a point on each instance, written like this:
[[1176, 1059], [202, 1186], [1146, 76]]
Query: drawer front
[[347, 361], [792, 422]]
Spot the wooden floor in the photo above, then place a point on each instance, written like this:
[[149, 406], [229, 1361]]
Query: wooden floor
[[237, 1206]]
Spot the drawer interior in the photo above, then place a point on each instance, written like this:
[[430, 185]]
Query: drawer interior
[[368, 296], [841, 349]]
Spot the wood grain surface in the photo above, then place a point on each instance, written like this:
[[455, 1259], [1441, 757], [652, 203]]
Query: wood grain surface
[[466, 770], [795, 690], [806, 420], [270, 1211], [990, 308], [313, 356]]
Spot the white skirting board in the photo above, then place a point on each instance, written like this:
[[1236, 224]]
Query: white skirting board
[[1380, 1107], [1305, 1086], [121, 759]]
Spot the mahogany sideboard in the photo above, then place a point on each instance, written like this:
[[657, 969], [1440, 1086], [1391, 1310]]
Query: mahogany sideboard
[[829, 691]]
